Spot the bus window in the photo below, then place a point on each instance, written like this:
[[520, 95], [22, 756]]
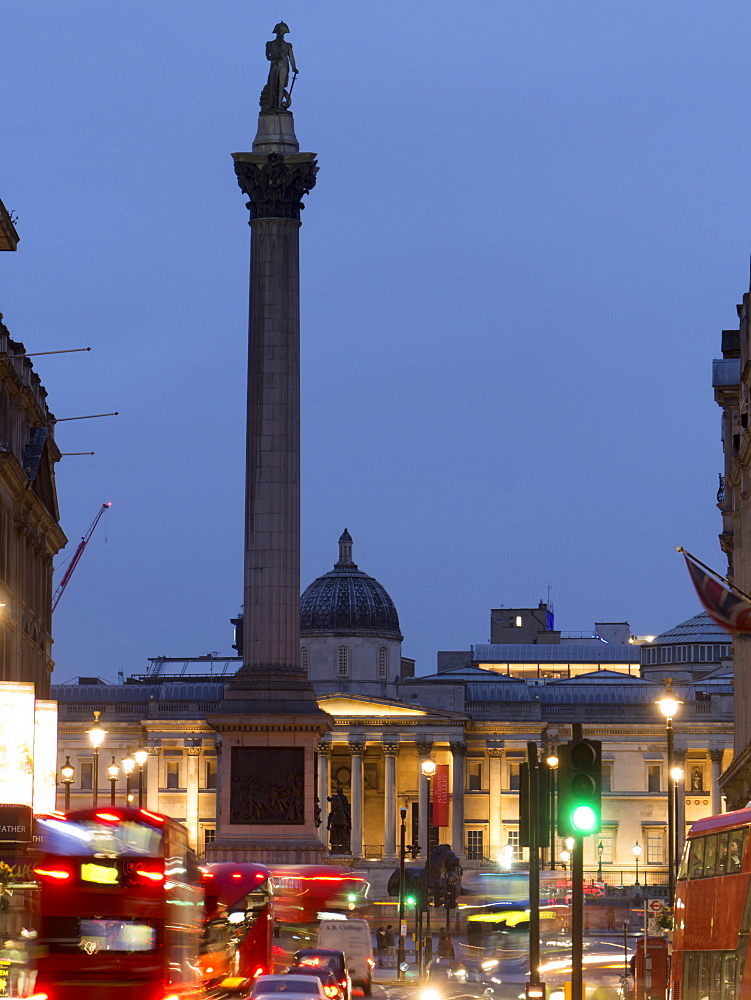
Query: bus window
[[710, 854], [705, 962], [683, 869], [696, 858], [721, 864], [728, 978], [717, 957], [736, 849]]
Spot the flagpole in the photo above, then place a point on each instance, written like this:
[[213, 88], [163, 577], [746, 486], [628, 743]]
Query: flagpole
[[698, 562]]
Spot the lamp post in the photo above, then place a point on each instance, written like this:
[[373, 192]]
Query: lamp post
[[400, 954], [128, 764], [427, 769], [565, 857], [599, 861], [113, 770], [669, 705], [96, 737], [141, 756], [552, 761], [67, 771], [637, 853]]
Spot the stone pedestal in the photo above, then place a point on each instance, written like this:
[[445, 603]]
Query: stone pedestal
[[269, 722]]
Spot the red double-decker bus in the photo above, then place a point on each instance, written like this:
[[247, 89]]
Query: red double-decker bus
[[120, 909], [239, 921], [712, 914]]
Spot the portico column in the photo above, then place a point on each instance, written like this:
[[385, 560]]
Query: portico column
[[715, 802], [390, 751], [458, 752], [680, 805], [423, 799], [323, 750], [191, 795], [495, 752], [357, 750], [152, 778]]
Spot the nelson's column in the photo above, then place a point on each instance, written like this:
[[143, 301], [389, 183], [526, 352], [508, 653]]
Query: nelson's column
[[269, 722]]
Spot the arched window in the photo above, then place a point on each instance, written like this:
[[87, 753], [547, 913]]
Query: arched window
[[383, 662], [342, 661], [304, 658]]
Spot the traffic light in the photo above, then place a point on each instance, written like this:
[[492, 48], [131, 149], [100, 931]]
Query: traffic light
[[579, 788]]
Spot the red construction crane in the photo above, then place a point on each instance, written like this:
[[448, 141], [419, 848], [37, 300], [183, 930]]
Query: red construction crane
[[76, 556]]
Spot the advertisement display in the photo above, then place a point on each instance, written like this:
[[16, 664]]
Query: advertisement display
[[45, 756], [16, 743]]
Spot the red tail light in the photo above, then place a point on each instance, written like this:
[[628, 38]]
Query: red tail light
[[53, 874], [108, 817], [258, 972], [371, 963], [147, 876]]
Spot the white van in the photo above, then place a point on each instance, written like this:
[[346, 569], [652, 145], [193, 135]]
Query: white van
[[352, 937]]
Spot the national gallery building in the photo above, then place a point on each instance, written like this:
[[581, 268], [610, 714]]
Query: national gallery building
[[476, 714]]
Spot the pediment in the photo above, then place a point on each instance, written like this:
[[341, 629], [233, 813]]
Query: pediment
[[347, 706]]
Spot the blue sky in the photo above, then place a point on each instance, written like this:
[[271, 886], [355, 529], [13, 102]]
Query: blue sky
[[531, 223]]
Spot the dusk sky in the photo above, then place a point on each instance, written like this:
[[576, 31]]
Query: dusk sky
[[531, 224]]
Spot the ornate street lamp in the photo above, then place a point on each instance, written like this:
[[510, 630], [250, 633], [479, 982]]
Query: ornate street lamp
[[637, 854], [96, 737], [66, 772], [141, 757], [552, 761], [400, 955], [427, 769], [113, 770], [669, 705], [599, 861], [128, 763]]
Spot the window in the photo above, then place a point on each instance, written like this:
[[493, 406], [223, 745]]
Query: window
[[518, 621], [173, 774], [474, 775], [87, 775], [210, 766], [209, 836], [696, 776], [342, 660], [514, 777], [654, 838], [653, 777], [475, 845], [666, 654], [383, 662], [607, 777], [513, 841], [682, 652], [304, 658], [607, 839]]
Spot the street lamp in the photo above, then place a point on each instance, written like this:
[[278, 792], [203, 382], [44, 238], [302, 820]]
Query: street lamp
[[669, 705], [96, 737], [66, 772], [599, 861], [552, 761], [427, 769], [637, 854], [113, 770], [128, 764], [141, 756], [565, 858], [400, 954]]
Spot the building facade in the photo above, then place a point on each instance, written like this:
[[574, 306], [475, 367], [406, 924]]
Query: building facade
[[475, 717]]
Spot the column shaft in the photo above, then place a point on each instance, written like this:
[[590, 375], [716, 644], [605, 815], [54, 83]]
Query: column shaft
[[323, 792], [495, 817], [458, 750], [191, 797], [356, 788], [152, 780], [715, 802], [389, 806]]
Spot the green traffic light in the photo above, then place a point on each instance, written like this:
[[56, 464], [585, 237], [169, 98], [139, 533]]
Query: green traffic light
[[352, 898], [410, 900], [584, 819]]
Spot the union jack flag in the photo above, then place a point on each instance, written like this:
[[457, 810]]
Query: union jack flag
[[731, 610]]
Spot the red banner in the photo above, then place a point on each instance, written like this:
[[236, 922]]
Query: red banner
[[441, 795]]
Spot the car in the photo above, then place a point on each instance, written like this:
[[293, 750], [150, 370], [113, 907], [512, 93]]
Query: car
[[351, 936], [331, 986], [293, 987], [330, 957]]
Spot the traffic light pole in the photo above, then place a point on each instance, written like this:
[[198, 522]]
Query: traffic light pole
[[400, 955], [577, 918], [534, 777]]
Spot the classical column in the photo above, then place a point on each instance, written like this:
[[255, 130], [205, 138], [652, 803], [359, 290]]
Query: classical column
[[680, 804], [495, 753], [323, 750], [458, 752], [715, 802], [423, 798], [390, 751], [357, 749], [152, 778], [191, 799]]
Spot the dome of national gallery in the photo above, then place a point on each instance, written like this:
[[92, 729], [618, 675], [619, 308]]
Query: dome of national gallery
[[346, 601]]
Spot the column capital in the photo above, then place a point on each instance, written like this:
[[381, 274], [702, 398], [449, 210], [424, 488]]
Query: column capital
[[153, 749], [193, 751], [459, 749], [324, 748], [357, 747], [391, 748], [275, 183], [716, 756], [494, 748], [424, 747]]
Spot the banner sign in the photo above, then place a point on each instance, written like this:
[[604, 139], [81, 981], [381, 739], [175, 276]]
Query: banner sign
[[15, 824], [441, 795], [16, 743], [45, 756]]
